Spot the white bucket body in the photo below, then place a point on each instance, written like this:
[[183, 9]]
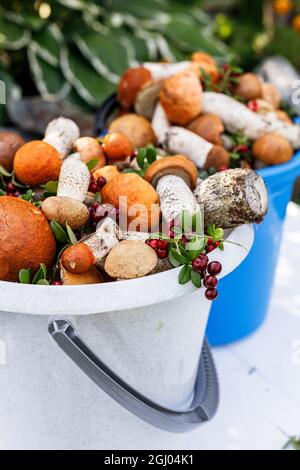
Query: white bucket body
[[149, 331]]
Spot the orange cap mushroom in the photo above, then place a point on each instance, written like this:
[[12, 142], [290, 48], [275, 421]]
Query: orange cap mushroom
[[10, 142], [137, 128], [108, 172], [130, 83], [207, 64], [272, 149], [135, 198], [271, 94], [209, 127], [117, 146], [248, 87], [217, 158], [36, 163], [177, 165], [90, 149], [78, 258], [26, 238]]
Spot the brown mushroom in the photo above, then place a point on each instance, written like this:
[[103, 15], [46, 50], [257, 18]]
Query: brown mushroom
[[26, 238], [10, 142], [209, 127], [272, 149], [249, 86], [177, 165], [92, 276], [147, 98], [130, 83], [181, 97], [130, 259], [117, 146], [108, 172], [217, 158], [137, 128], [271, 94], [90, 149], [78, 259]]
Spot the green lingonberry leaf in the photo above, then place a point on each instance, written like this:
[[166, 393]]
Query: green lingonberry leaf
[[71, 235], [24, 276], [59, 232], [91, 164], [184, 274], [196, 279]]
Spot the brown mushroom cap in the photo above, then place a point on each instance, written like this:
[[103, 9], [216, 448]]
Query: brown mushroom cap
[[93, 276], [137, 128], [36, 163], [218, 157], [78, 259], [134, 197], [108, 172], [272, 149], [177, 165], [65, 210], [130, 259], [209, 127], [271, 94], [117, 146], [10, 142], [181, 97], [26, 239], [130, 83], [90, 149], [249, 86]]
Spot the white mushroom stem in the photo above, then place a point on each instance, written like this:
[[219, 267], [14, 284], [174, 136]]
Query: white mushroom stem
[[232, 198], [74, 179], [61, 133], [103, 240], [125, 235], [185, 142], [160, 124], [175, 196], [237, 117], [161, 71]]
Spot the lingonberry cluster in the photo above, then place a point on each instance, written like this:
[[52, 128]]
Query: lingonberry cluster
[[208, 272], [159, 246], [96, 184], [99, 211], [12, 190]]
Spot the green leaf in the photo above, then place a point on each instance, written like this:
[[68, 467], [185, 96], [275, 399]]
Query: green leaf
[[184, 274], [47, 43], [41, 274], [16, 183], [51, 187], [28, 195], [221, 246], [59, 232], [173, 260], [4, 172], [195, 247], [150, 154], [218, 234], [12, 35], [185, 220], [91, 164], [71, 235], [142, 152], [24, 276], [198, 223], [178, 257], [43, 282], [132, 170], [211, 229], [196, 279]]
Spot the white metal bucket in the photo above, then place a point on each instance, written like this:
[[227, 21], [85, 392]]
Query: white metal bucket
[[149, 331]]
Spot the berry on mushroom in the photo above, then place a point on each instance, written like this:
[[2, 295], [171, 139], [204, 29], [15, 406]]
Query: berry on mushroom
[[67, 207], [26, 238]]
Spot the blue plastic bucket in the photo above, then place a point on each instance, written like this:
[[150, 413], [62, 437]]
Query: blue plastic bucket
[[244, 295]]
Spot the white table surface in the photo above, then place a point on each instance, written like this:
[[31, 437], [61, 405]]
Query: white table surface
[[260, 376]]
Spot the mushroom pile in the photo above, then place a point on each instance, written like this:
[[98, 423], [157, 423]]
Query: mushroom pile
[[81, 210]]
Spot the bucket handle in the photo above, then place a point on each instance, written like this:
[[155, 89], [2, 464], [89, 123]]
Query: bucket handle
[[202, 409]]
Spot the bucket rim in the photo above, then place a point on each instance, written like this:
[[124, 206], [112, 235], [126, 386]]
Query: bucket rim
[[93, 299]]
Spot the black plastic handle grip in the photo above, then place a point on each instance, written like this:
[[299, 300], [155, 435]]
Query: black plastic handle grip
[[104, 111], [206, 396]]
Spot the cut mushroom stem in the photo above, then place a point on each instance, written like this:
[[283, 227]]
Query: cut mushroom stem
[[232, 198], [237, 117], [61, 133], [175, 197], [91, 251], [67, 207]]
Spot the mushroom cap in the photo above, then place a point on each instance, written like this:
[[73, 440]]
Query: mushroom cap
[[249, 86], [93, 276], [218, 157], [130, 259], [283, 116], [177, 165], [10, 142], [137, 128], [117, 146], [135, 198], [61, 133], [271, 94], [65, 210], [207, 64], [203, 57], [272, 149], [181, 97], [36, 163], [147, 98], [130, 83], [90, 149], [26, 238], [78, 259], [108, 172], [209, 127]]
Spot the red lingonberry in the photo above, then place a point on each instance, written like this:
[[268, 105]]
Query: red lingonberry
[[210, 282], [199, 264], [211, 294], [162, 253], [162, 244], [214, 267]]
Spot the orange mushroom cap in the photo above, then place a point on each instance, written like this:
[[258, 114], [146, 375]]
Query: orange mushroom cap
[[176, 165], [78, 259], [26, 238], [117, 146], [36, 163], [130, 83]]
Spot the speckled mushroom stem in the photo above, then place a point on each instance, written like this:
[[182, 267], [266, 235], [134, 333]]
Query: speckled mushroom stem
[[74, 178], [232, 198], [175, 196], [103, 240], [61, 133], [237, 117]]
